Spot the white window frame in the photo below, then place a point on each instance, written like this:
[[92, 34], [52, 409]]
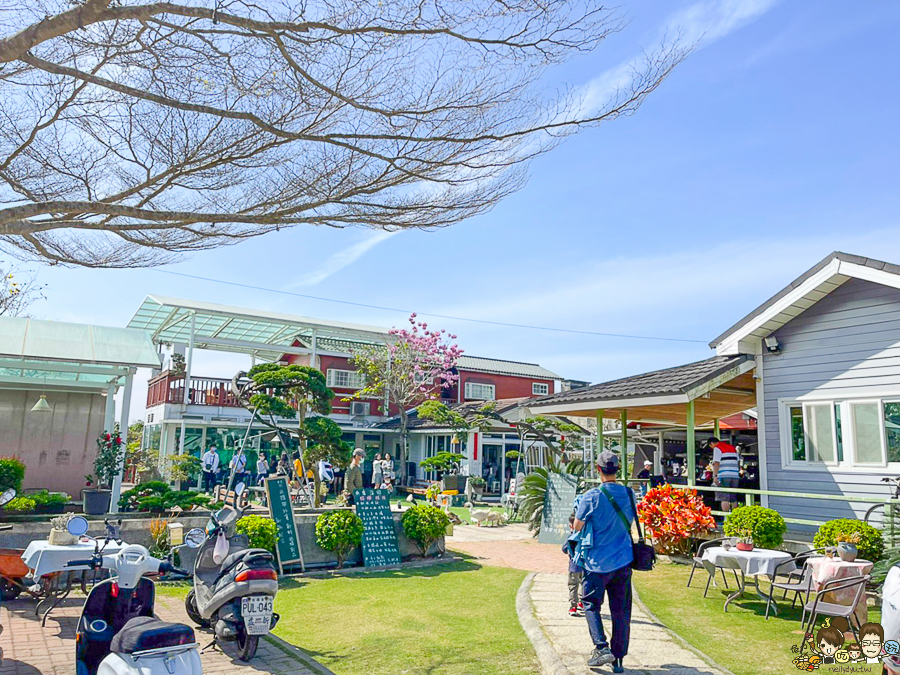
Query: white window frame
[[355, 379], [543, 385], [851, 422], [784, 424], [887, 399], [472, 397]]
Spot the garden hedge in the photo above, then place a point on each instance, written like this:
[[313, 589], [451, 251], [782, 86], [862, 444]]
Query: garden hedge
[[870, 547], [767, 525]]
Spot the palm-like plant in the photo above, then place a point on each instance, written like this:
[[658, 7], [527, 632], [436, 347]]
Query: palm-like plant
[[534, 490]]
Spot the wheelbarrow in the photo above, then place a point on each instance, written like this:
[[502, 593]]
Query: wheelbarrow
[[12, 571]]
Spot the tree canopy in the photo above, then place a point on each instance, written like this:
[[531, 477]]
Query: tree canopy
[[133, 132]]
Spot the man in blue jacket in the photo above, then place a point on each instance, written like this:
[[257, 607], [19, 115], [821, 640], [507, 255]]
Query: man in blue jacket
[[607, 562]]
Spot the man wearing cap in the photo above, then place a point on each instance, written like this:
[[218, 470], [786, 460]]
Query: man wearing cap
[[644, 474], [353, 478], [607, 562], [726, 471]]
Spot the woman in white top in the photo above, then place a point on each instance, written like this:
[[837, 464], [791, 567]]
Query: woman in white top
[[377, 471]]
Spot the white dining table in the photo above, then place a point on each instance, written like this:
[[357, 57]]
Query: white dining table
[[760, 562]]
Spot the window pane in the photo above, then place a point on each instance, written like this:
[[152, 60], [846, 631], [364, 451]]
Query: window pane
[[798, 440], [892, 430], [839, 432], [867, 436], [822, 440]]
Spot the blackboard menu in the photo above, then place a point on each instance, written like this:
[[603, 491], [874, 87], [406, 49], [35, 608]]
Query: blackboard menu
[[379, 544], [558, 504], [278, 496]]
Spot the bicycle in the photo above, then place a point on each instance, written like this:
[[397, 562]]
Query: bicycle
[[876, 516]]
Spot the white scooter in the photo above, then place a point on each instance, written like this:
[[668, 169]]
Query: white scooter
[[118, 633]]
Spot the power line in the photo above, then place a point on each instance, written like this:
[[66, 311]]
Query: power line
[[437, 316]]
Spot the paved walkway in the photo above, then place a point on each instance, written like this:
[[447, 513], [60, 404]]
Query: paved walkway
[[508, 546], [32, 650], [653, 650]]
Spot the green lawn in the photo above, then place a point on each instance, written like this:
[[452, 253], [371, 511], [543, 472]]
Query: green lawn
[[457, 619], [740, 640]]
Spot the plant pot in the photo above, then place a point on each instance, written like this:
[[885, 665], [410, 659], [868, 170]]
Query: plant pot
[[847, 551], [60, 538], [741, 546], [95, 502], [451, 482]]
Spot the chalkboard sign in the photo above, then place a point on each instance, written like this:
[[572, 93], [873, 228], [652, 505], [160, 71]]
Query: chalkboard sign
[[278, 497], [558, 504], [379, 543]]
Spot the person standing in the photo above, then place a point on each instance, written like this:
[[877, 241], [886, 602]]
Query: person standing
[[387, 470], [238, 466], [645, 474], [353, 479], [377, 471], [262, 468], [210, 465], [607, 562], [726, 471]]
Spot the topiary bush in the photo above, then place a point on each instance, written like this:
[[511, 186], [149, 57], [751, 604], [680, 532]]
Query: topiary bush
[[261, 532], [156, 496], [12, 472], [340, 532], [870, 546], [767, 525], [424, 524]]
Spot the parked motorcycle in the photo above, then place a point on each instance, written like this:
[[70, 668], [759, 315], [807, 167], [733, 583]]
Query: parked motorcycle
[[118, 633], [234, 585]]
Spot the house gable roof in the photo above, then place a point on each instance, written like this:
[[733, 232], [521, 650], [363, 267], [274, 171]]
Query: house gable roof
[[800, 295]]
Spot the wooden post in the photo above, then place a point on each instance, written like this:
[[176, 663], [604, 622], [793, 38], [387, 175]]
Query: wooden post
[[691, 446], [623, 460], [716, 427]]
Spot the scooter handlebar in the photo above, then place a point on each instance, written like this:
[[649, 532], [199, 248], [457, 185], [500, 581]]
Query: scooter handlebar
[[82, 563]]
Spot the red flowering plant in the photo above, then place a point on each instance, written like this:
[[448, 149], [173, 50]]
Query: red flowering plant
[[672, 516], [110, 457]]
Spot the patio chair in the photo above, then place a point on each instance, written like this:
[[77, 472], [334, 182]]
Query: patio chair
[[798, 580], [698, 562], [819, 607]]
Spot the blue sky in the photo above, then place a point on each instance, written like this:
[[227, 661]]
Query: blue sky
[[774, 144]]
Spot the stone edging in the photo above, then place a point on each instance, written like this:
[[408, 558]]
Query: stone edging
[[549, 660], [298, 654], [675, 636], [352, 571]]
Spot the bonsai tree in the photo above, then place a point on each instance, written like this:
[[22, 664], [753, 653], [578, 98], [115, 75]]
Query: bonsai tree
[[340, 532], [445, 462], [293, 392], [110, 458], [414, 367], [425, 524]]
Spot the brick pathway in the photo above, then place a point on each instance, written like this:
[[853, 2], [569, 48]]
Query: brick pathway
[[32, 650], [509, 546]]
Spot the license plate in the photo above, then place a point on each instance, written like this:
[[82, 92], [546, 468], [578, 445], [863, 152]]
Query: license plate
[[256, 611]]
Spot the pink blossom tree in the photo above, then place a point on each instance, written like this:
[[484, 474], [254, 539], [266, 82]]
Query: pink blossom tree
[[414, 366]]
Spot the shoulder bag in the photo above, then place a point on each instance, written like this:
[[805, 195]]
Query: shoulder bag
[[644, 555]]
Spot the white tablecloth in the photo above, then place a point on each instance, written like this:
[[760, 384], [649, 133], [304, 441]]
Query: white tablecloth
[[43, 558], [759, 561]]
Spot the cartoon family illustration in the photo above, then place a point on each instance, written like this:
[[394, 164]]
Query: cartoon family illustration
[[836, 644]]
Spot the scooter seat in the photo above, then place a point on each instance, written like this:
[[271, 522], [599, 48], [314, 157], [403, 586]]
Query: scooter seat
[[233, 559], [146, 632]]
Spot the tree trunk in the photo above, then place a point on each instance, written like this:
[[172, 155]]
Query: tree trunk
[[404, 439]]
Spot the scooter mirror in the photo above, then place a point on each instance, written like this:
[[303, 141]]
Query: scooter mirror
[[77, 526], [239, 489], [7, 496], [195, 538]]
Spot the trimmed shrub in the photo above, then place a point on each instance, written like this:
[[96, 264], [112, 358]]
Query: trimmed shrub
[[47, 498], [424, 524], [340, 532], [870, 546], [767, 525], [20, 504], [672, 516], [157, 496], [12, 472], [261, 532]]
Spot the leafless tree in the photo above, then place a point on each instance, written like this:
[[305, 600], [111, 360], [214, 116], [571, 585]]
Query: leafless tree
[[131, 133], [18, 290]]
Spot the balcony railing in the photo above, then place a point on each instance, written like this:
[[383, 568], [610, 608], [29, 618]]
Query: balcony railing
[[168, 387]]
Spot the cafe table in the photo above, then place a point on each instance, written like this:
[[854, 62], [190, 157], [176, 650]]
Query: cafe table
[[760, 562], [826, 569]]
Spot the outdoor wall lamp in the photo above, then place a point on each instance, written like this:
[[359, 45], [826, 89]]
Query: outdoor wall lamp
[[41, 405], [772, 345]]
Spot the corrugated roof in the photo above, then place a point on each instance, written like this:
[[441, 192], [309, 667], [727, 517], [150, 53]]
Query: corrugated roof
[[669, 381], [484, 365]]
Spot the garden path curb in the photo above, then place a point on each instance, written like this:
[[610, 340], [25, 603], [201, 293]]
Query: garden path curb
[[549, 660], [299, 655]]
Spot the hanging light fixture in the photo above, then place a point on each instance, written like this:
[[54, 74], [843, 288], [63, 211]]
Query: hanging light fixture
[[42, 405]]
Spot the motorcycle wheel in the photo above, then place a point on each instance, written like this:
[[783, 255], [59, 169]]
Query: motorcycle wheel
[[246, 644], [190, 606], [9, 590]]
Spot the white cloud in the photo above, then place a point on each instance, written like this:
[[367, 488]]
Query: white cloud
[[343, 258]]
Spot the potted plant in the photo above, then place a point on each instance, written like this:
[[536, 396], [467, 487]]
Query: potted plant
[[59, 534], [478, 484], [745, 541], [107, 465], [847, 546]]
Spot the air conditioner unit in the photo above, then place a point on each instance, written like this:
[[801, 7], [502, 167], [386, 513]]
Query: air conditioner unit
[[359, 409]]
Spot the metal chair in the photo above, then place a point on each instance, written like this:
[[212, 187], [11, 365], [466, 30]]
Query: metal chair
[[698, 562], [799, 581], [820, 607]]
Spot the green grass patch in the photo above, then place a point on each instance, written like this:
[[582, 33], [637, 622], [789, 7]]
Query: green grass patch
[[444, 620], [740, 640]]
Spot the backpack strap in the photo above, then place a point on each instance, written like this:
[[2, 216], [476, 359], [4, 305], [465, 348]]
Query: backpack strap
[[619, 512]]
